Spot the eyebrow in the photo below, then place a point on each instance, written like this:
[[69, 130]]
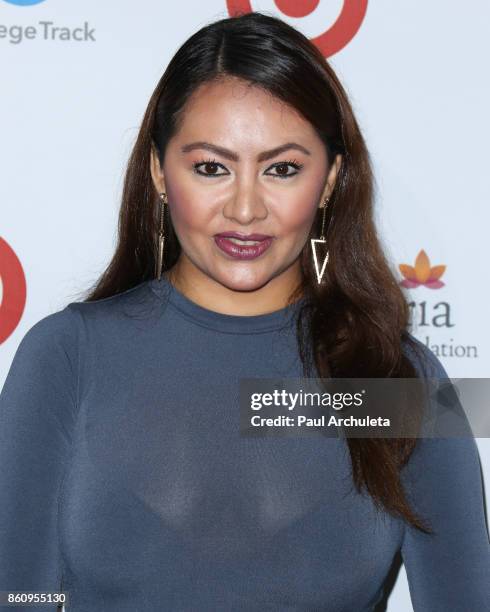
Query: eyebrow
[[226, 153]]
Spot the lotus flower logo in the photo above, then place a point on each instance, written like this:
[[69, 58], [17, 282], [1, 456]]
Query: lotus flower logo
[[422, 273]]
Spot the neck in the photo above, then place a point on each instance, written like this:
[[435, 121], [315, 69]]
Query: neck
[[209, 293]]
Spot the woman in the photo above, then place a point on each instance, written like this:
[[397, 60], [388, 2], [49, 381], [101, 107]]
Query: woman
[[124, 477]]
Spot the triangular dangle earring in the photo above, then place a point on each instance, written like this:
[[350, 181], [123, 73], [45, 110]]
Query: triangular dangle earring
[[314, 244], [161, 237]]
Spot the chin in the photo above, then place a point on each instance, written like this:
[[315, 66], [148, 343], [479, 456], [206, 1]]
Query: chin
[[243, 281]]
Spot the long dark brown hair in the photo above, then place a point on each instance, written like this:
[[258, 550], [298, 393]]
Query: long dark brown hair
[[358, 318]]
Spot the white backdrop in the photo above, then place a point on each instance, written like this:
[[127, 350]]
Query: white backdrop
[[417, 76]]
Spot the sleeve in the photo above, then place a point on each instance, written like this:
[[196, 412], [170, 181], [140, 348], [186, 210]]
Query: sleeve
[[37, 414], [449, 570]]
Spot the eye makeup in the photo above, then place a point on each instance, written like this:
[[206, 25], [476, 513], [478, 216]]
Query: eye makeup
[[213, 163]]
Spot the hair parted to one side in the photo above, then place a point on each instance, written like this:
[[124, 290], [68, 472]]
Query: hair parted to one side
[[357, 319]]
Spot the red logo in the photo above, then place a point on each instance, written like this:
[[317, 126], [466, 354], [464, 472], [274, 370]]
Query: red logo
[[14, 290], [332, 40]]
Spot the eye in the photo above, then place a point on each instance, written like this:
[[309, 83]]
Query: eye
[[210, 166], [282, 168]]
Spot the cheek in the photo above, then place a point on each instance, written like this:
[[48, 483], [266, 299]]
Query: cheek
[[190, 208], [296, 214]]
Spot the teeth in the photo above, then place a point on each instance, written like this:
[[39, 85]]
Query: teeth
[[243, 242]]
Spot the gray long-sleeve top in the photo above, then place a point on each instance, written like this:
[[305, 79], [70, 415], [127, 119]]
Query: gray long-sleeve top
[[123, 475]]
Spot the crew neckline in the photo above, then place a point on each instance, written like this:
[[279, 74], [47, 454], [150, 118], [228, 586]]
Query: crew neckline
[[228, 323]]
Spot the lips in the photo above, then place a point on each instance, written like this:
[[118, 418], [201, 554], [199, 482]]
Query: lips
[[243, 246]]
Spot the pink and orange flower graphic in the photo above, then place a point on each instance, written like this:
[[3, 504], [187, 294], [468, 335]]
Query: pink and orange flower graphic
[[422, 273]]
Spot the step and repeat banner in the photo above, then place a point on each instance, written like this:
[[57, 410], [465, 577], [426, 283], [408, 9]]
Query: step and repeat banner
[[76, 77]]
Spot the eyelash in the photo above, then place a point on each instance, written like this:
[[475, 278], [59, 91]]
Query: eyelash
[[294, 163]]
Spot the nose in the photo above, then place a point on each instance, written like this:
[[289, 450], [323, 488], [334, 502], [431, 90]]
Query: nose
[[246, 205]]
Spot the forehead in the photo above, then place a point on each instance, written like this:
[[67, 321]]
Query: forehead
[[231, 110]]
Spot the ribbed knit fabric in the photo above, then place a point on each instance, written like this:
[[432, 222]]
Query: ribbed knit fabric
[[123, 474]]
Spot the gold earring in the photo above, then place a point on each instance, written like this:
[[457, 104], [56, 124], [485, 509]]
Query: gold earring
[[316, 241], [161, 236]]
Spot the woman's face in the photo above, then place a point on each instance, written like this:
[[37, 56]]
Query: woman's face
[[243, 161]]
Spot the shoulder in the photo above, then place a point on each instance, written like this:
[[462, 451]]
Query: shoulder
[[130, 303], [446, 450], [58, 330], [63, 332], [41, 386], [48, 351], [423, 359], [57, 348]]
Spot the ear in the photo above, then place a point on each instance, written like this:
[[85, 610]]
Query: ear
[[332, 178], [156, 171]]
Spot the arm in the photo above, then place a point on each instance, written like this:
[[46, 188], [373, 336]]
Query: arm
[[450, 570], [37, 413]]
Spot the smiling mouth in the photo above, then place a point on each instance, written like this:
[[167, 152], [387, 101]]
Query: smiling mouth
[[239, 248]]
